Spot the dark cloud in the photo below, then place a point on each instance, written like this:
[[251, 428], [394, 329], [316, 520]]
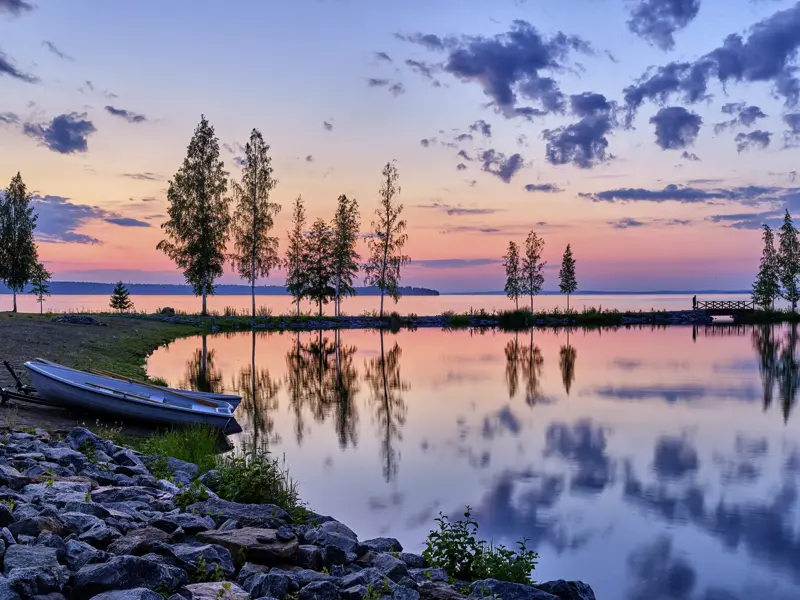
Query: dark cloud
[[147, 176], [686, 155], [463, 154], [584, 144], [239, 161], [792, 135], [590, 104], [461, 167], [472, 229], [425, 142], [9, 118], [424, 69], [626, 223], [547, 188], [676, 127], [584, 445], [497, 164], [657, 20], [678, 393], [328, 126], [126, 222], [463, 137], [766, 55], [690, 195], [309, 158], [742, 115], [65, 134], [396, 88], [60, 218], [52, 48], [455, 263], [509, 66], [758, 138], [383, 56], [458, 211], [234, 148], [7, 68], [481, 127], [15, 7], [130, 117], [749, 220]]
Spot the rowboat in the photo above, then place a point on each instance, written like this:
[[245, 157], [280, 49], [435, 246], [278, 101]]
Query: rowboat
[[125, 399], [231, 399]]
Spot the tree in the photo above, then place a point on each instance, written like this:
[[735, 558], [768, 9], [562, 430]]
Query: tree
[[789, 261], [319, 263], [513, 287], [121, 298], [256, 250], [767, 285], [567, 282], [296, 255], [345, 227], [532, 266], [198, 223], [386, 244], [39, 284], [18, 257]]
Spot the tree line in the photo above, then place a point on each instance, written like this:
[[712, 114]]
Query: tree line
[[524, 273], [779, 271], [321, 262]]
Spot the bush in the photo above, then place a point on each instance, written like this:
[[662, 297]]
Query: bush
[[455, 320], [195, 444], [455, 548], [515, 320]]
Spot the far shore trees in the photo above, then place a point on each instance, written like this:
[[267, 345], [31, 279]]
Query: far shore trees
[[297, 255], [767, 285], [346, 223], [567, 282], [121, 298], [532, 265], [18, 256], [789, 261], [199, 219], [319, 264], [40, 279], [513, 286], [386, 258], [256, 251]]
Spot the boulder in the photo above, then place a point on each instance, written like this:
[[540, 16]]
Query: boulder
[[249, 515], [320, 590], [268, 584], [78, 522], [383, 544], [434, 575], [309, 557], [79, 554], [79, 438], [33, 570], [567, 590], [439, 591], [253, 544], [12, 478], [100, 535], [66, 457], [36, 525], [6, 518], [112, 494], [413, 561], [134, 594], [139, 541], [123, 572], [189, 522], [6, 591], [51, 540], [206, 558], [508, 591], [391, 567], [356, 592], [323, 538], [403, 593], [225, 590], [300, 578]]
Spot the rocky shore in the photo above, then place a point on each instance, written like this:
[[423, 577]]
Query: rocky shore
[[83, 518]]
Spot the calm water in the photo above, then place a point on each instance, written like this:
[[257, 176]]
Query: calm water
[[653, 464], [421, 305]]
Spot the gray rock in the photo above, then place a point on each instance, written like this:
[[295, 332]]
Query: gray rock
[[225, 590], [320, 590], [123, 572], [438, 591], [36, 525], [134, 594], [309, 557], [302, 577], [111, 494], [356, 592], [189, 522], [331, 555], [268, 584], [12, 478], [80, 438], [383, 544], [433, 575], [33, 570], [57, 492], [403, 593], [248, 571], [249, 515], [6, 518], [208, 557], [368, 577], [392, 567], [127, 457], [139, 541], [320, 537], [7, 536], [413, 561], [333, 526], [6, 591], [257, 545], [100, 535], [66, 457], [79, 554], [230, 524], [408, 582], [508, 591], [567, 590], [78, 522], [51, 540]]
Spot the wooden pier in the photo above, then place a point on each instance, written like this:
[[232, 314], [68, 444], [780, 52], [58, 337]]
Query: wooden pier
[[725, 308]]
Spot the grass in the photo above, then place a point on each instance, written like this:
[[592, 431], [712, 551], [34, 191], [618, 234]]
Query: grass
[[195, 444]]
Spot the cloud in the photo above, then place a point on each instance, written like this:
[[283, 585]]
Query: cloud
[[126, 222], [691, 195], [426, 142], [749, 220], [504, 419], [65, 134], [7, 68], [674, 458], [590, 104], [239, 161], [458, 211], [676, 127], [461, 167], [130, 117], [656, 573], [509, 66], [584, 144], [15, 7], [757, 138], [498, 165], [147, 176], [463, 137], [383, 56], [766, 55], [9, 118], [690, 156], [463, 154], [424, 69], [547, 188], [455, 263], [309, 158], [482, 127], [328, 126], [792, 135], [743, 115], [472, 229], [395, 88], [626, 223], [52, 48], [657, 20]]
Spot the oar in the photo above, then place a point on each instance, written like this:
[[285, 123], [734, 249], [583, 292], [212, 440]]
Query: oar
[[103, 387], [155, 387]]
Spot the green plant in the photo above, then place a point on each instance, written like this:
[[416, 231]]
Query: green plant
[[456, 321], [195, 444], [264, 311], [454, 547], [377, 592], [89, 451], [202, 574], [195, 492], [87, 498], [223, 591], [159, 381], [9, 502]]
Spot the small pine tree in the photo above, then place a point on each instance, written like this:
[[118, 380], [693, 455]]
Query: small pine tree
[[789, 261], [40, 279], [567, 282], [121, 298], [767, 285], [296, 255], [513, 287], [532, 266]]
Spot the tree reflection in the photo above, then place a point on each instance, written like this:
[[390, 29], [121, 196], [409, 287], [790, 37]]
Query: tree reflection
[[259, 393], [778, 365], [512, 366], [566, 362], [201, 372], [532, 363], [346, 387], [788, 372], [766, 345], [382, 375]]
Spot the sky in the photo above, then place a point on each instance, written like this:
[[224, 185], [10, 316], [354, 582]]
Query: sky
[[654, 136]]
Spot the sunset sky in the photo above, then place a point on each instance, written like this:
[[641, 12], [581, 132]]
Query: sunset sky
[[655, 136]]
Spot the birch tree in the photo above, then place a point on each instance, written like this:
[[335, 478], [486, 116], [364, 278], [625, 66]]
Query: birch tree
[[767, 284], [18, 256], [198, 224], [532, 278], [319, 264], [386, 258], [513, 286], [789, 261], [296, 255], [256, 251], [40, 284], [345, 227], [567, 282]]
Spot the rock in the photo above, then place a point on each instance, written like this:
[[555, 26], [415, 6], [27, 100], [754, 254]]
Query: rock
[[7, 537], [434, 575], [333, 526], [79, 438], [249, 515], [383, 544], [320, 537], [256, 545], [413, 561], [57, 492], [12, 478], [78, 320], [356, 592], [207, 558], [309, 557], [230, 524], [110, 494], [403, 593], [331, 555], [33, 570], [167, 310], [407, 582], [80, 554], [36, 525], [248, 571], [320, 590], [6, 591], [139, 541], [268, 584], [391, 567], [6, 518], [100, 535], [127, 457], [76, 522], [438, 591], [181, 467], [369, 577], [123, 572], [51, 540], [508, 591], [300, 578], [134, 594], [224, 590], [189, 522], [567, 590], [66, 457]]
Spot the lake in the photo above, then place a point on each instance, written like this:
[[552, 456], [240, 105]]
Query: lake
[[650, 463], [420, 305]]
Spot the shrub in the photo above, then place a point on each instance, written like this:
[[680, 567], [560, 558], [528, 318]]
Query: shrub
[[264, 311], [159, 381], [515, 320], [195, 492], [454, 547]]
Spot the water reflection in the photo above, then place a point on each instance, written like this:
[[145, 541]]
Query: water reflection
[[259, 391], [202, 373], [567, 356], [778, 365], [527, 361]]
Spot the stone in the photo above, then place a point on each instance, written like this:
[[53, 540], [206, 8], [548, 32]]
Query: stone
[[331, 555], [127, 457], [80, 438], [413, 561], [51, 540], [248, 571], [139, 541], [434, 575], [187, 469], [36, 525], [567, 590], [368, 577], [309, 557], [6, 591], [508, 591], [383, 544], [189, 522], [230, 524], [78, 522], [111, 494], [57, 492], [12, 478], [66, 457], [256, 545], [249, 515], [79, 554], [208, 556], [356, 592], [391, 567], [438, 591], [320, 537], [268, 584], [134, 594], [100, 535], [302, 577], [403, 593], [6, 518], [33, 570], [408, 582], [320, 590], [123, 572], [7, 536], [225, 590]]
